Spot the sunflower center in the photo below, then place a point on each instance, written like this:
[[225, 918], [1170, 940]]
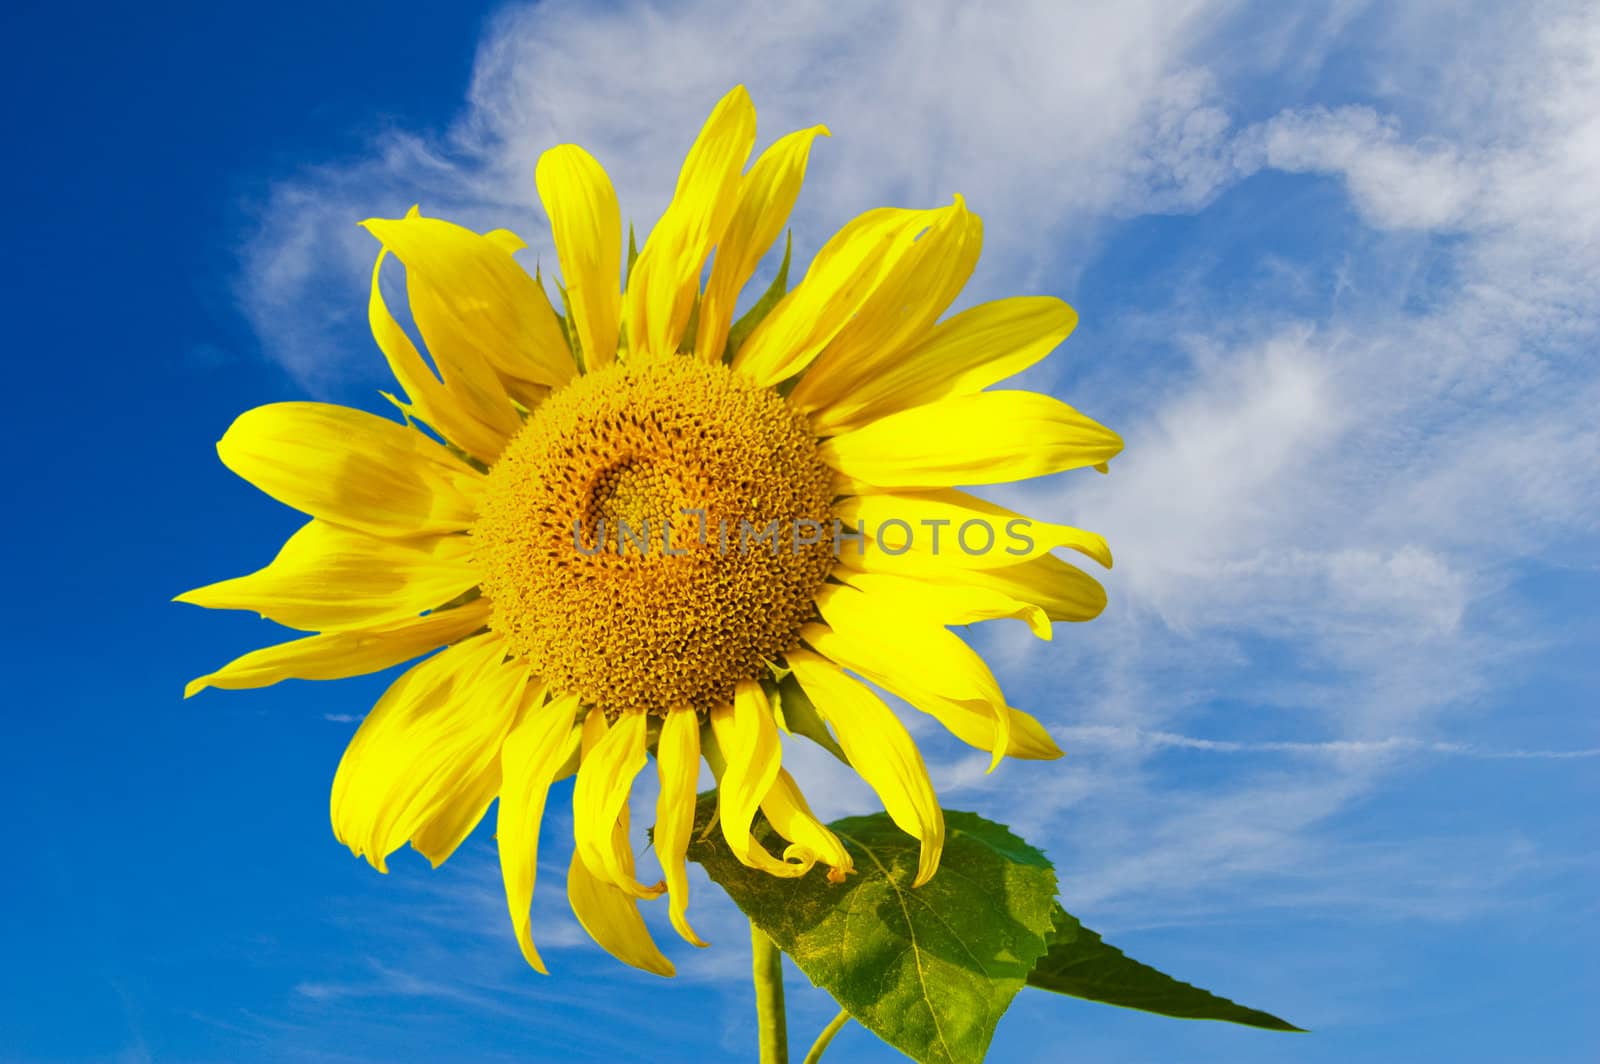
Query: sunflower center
[[655, 534]]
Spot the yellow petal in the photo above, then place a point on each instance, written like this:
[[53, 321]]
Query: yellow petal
[[587, 229], [478, 421], [842, 278], [612, 757], [986, 438], [914, 291], [881, 750], [533, 751], [328, 578], [811, 841], [766, 196], [611, 917], [441, 835], [351, 468], [966, 354], [666, 278], [1064, 592], [429, 736], [947, 603], [678, 760], [973, 723], [342, 654], [474, 304], [923, 663], [949, 528], [748, 738]]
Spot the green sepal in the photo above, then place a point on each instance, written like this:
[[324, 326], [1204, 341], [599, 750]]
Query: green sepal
[[798, 715], [757, 314]]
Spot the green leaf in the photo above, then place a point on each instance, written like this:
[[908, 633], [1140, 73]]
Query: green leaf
[[1080, 964], [929, 970], [692, 328], [757, 314]]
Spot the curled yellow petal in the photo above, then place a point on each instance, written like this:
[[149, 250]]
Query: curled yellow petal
[[1064, 592], [914, 290], [475, 306], [666, 278], [471, 412], [748, 738], [766, 196], [976, 724], [925, 664], [881, 749], [338, 655], [988, 438], [611, 760], [327, 578], [966, 354], [535, 748], [811, 841], [611, 917], [587, 228], [351, 468], [842, 278], [678, 760], [431, 734]]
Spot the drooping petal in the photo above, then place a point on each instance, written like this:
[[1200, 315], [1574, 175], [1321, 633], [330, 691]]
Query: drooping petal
[[478, 421], [973, 723], [923, 663], [678, 759], [988, 438], [327, 578], [441, 835], [474, 304], [912, 294], [612, 757], [611, 917], [535, 748], [842, 278], [342, 654], [881, 750], [666, 278], [947, 528], [587, 228], [766, 196], [430, 735], [748, 738], [974, 349], [351, 468], [810, 839]]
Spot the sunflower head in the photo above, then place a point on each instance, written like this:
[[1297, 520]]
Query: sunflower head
[[616, 536], [634, 527]]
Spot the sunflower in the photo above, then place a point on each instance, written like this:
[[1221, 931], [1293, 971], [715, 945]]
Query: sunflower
[[639, 527]]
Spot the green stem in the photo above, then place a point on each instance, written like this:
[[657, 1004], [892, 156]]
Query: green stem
[[826, 1036], [767, 974]]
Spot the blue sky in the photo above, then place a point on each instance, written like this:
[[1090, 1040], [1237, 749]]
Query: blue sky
[[1331, 744]]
